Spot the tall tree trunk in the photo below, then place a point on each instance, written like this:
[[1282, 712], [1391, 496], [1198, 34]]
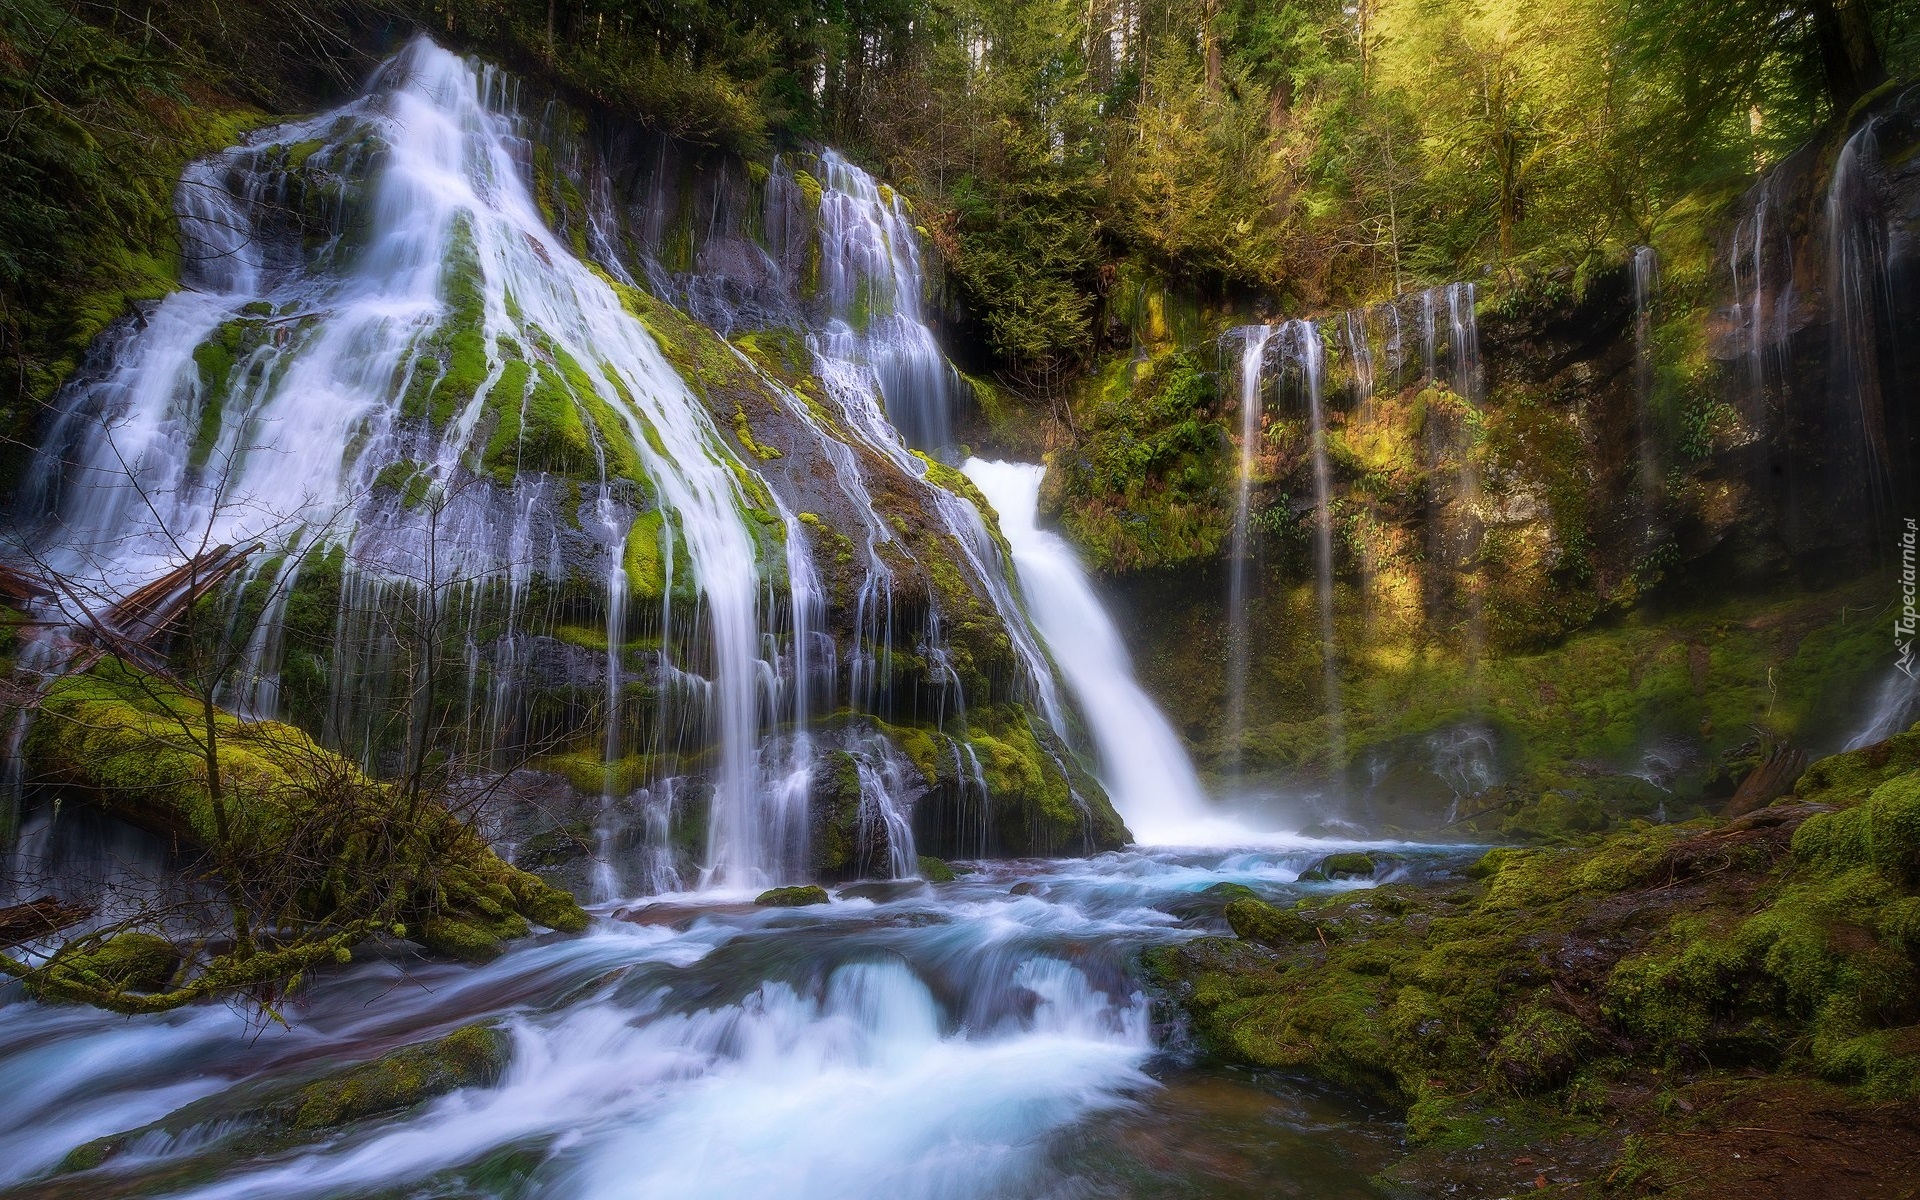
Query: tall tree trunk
[[1213, 48], [1848, 51]]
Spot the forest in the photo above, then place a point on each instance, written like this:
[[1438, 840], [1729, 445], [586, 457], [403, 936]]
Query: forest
[[959, 598]]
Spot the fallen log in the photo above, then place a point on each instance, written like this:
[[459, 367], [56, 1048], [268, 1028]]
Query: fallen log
[[36, 919]]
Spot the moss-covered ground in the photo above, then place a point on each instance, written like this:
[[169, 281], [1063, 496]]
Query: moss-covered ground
[[1588, 1010], [333, 852]]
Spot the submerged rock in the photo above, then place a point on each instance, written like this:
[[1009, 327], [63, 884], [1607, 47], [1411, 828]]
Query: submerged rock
[[1348, 865], [269, 1116]]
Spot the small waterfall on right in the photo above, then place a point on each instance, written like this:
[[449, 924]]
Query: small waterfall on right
[[1253, 349], [1311, 354], [1646, 286], [1895, 706], [1858, 294]]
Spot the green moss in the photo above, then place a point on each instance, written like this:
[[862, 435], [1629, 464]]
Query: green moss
[[1257, 921], [127, 743], [933, 870], [408, 480], [475, 1056], [1342, 866], [1883, 832], [454, 359], [591, 774], [810, 190], [1150, 482], [744, 433], [125, 962], [792, 897]]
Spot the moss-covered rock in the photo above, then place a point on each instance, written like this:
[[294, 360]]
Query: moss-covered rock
[[1257, 921], [270, 1115], [135, 746], [1352, 864], [792, 897], [1783, 944], [474, 1056], [934, 870]]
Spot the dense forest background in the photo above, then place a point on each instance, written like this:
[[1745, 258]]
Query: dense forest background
[[1312, 152]]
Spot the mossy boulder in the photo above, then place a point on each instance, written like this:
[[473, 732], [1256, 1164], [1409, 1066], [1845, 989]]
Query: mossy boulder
[[130, 744], [475, 1056], [935, 870], [1257, 921], [1883, 833], [793, 897], [264, 1116]]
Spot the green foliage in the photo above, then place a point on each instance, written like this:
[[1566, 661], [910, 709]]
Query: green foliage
[[1683, 949], [138, 747], [125, 962], [1147, 484]]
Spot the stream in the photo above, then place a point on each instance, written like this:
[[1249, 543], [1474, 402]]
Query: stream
[[987, 1037]]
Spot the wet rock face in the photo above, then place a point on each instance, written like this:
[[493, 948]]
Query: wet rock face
[[1817, 273], [573, 527]]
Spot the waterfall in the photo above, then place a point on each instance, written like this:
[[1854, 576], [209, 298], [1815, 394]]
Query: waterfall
[[1312, 356], [438, 323], [1142, 763], [881, 365], [1646, 284], [1353, 335], [1428, 337], [1253, 348], [1893, 710], [871, 280], [1859, 291], [1463, 341]]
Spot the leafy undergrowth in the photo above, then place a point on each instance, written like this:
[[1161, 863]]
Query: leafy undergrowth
[[1149, 484], [1580, 1015]]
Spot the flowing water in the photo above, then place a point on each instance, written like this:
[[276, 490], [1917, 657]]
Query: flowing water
[[907, 1040], [1253, 349], [1860, 301], [1311, 352], [1142, 763], [1646, 287], [954, 1040], [1893, 709]]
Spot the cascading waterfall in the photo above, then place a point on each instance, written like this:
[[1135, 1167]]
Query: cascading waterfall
[[1895, 705], [871, 277], [1142, 763], [880, 363], [1428, 336], [1463, 341], [443, 309], [1253, 348], [1353, 333]]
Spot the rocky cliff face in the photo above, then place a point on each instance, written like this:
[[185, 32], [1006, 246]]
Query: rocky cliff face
[[573, 454], [1483, 523]]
